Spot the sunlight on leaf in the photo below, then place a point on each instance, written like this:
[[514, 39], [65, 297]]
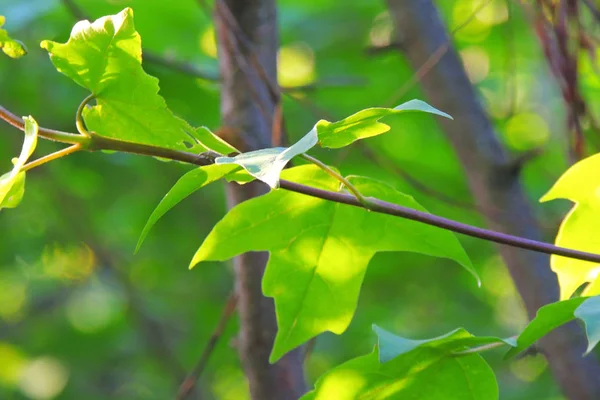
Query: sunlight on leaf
[[320, 250], [105, 57], [424, 372], [185, 186], [366, 124], [11, 47], [392, 346], [12, 184], [551, 316], [579, 229], [266, 165]]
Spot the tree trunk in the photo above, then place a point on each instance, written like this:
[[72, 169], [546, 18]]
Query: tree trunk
[[495, 185], [247, 32]]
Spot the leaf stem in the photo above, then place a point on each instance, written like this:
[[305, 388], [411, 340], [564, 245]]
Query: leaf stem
[[50, 157], [480, 349], [81, 128], [359, 196], [95, 142], [49, 134]]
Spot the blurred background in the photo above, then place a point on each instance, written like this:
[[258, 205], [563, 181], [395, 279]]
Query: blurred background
[[82, 317]]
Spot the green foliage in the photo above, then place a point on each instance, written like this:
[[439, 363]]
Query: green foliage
[[365, 124], [105, 57], [411, 369], [589, 313], [12, 184], [553, 315], [320, 250], [579, 229], [391, 346], [11, 47], [185, 186]]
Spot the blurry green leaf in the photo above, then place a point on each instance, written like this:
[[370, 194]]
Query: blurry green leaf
[[365, 124], [105, 57], [548, 317], [185, 186], [392, 346], [589, 313], [579, 229], [266, 164], [12, 184], [320, 250], [424, 373], [11, 47]]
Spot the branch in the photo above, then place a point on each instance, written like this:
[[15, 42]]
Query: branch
[[190, 381], [192, 70], [50, 134], [379, 206], [494, 186]]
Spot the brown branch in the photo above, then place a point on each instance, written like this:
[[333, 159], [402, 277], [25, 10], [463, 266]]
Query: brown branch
[[433, 59], [190, 381], [382, 207], [256, 20], [495, 184], [433, 193]]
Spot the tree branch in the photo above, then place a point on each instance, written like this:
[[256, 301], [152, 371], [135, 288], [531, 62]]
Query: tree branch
[[495, 185], [249, 96], [190, 381], [382, 207]]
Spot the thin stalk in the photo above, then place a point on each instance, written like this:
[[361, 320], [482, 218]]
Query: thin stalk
[[50, 157], [359, 196], [104, 143], [49, 134], [79, 116], [480, 349], [384, 207]]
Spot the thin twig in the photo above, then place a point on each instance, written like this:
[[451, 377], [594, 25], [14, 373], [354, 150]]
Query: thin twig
[[434, 58], [417, 184], [593, 9], [190, 381], [50, 134], [50, 157], [192, 70], [482, 348], [331, 172], [375, 205], [182, 67]]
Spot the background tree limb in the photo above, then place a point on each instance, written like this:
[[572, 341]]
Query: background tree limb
[[495, 185]]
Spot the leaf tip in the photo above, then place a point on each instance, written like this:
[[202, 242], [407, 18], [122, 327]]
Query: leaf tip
[[548, 196], [275, 355], [138, 245], [46, 45]]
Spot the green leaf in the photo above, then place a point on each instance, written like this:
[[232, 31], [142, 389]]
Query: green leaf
[[185, 186], [11, 47], [105, 57], [579, 229], [320, 250], [12, 184], [392, 346], [266, 164], [589, 313], [365, 124], [548, 317], [424, 373]]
